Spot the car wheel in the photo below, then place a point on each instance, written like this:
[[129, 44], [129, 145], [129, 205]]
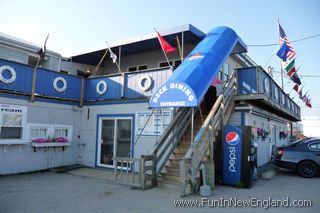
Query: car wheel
[[307, 169]]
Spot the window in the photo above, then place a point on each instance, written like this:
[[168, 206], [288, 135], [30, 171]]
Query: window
[[11, 127], [60, 132], [132, 69], [143, 67], [175, 63], [165, 64], [64, 72], [47, 131], [315, 146], [38, 133], [137, 68]]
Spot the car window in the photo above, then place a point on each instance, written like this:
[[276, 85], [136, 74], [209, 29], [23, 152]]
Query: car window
[[315, 146]]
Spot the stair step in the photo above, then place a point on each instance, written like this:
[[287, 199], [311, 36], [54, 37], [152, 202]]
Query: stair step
[[174, 186], [175, 162], [179, 155], [182, 149], [170, 177], [174, 171]]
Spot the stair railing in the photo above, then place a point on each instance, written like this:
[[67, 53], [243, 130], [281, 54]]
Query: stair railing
[[204, 140]]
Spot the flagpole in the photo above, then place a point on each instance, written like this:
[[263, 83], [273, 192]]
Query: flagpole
[[115, 60], [99, 64], [162, 48], [179, 48], [280, 59], [34, 74]]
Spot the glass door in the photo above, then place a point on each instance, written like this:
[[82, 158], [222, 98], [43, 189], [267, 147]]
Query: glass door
[[107, 142], [115, 140]]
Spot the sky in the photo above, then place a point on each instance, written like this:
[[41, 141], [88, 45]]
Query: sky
[[75, 25]]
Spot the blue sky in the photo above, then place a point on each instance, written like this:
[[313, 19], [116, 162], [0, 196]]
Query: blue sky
[[76, 25]]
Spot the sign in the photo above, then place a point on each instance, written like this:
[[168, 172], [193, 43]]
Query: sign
[[5, 108], [232, 154], [154, 126], [173, 94]]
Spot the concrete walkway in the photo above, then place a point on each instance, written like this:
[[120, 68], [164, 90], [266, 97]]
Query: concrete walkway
[[76, 191]]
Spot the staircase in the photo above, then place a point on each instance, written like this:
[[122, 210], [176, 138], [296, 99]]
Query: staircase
[[170, 176], [175, 159]]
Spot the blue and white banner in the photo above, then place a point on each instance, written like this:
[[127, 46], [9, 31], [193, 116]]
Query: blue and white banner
[[173, 94]]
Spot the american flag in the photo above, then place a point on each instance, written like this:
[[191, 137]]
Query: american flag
[[283, 38]]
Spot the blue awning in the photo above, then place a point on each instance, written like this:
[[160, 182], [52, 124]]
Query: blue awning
[[190, 81]]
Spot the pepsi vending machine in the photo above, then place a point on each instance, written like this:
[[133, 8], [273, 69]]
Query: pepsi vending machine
[[238, 156]]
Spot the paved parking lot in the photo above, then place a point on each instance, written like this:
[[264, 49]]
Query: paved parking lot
[[66, 192]]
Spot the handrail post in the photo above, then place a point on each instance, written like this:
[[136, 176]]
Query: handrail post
[[154, 171], [192, 126], [143, 178], [182, 177]]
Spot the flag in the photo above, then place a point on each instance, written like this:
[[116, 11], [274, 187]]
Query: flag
[[216, 81], [284, 39], [308, 103], [42, 51], [165, 45], [290, 68], [296, 87], [295, 78], [283, 51], [300, 93], [304, 98], [113, 56]]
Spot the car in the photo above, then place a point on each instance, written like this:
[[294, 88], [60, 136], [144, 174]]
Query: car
[[302, 156]]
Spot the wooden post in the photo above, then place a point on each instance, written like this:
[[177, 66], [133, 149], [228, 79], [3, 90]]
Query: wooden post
[[154, 171], [34, 79], [182, 177], [82, 92], [143, 181]]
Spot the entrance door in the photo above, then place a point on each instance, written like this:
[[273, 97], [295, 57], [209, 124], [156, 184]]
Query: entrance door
[[115, 140]]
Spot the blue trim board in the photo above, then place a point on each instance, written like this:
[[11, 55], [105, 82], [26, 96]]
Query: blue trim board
[[131, 115], [243, 119]]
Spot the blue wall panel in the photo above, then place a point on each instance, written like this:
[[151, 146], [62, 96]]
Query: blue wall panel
[[275, 92], [158, 77], [44, 85], [247, 81], [23, 80], [114, 87], [265, 83]]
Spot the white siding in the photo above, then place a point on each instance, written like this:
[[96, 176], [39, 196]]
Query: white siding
[[89, 130], [22, 158], [264, 146]]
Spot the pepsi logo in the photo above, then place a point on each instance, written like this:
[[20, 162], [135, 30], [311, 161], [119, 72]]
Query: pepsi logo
[[232, 138], [195, 56]]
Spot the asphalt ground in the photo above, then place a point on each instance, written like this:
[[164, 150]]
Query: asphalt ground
[[71, 192]]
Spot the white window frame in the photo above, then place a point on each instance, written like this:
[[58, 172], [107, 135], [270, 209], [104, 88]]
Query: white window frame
[[60, 126], [24, 110], [37, 126], [50, 130]]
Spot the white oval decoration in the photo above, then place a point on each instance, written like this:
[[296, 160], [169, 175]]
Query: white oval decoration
[[147, 84], [282, 99], [276, 93], [13, 74], [266, 85], [55, 84], [104, 87]]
